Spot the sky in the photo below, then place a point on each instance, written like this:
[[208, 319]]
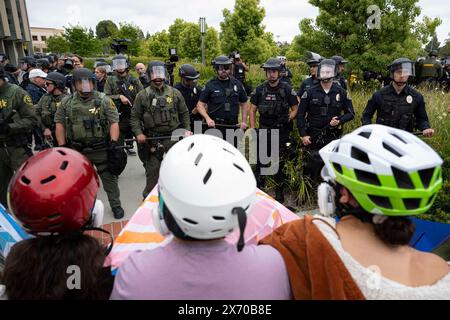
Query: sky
[[282, 16]]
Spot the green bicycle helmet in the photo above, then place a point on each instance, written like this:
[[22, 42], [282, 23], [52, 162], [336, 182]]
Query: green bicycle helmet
[[388, 171]]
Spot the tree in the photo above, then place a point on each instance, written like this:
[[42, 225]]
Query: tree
[[175, 30], [349, 28], [58, 44], [434, 44], [212, 43], [190, 41], [242, 29], [134, 34], [158, 44], [81, 41], [445, 50], [106, 29]]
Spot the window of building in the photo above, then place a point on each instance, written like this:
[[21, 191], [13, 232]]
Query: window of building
[[35, 38], [44, 38]]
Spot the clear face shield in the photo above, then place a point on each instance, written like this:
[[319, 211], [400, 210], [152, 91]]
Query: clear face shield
[[157, 73], [326, 72], [84, 86], [119, 65], [402, 72]]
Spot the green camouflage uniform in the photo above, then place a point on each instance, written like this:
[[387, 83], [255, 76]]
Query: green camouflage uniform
[[46, 110]]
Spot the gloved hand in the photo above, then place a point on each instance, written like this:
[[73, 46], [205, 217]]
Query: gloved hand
[[117, 158], [4, 128]]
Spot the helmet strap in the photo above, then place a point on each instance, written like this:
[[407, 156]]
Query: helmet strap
[[343, 210], [242, 219]]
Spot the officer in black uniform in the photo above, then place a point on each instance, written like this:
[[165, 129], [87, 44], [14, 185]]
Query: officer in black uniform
[[340, 64], [223, 97], [26, 64], [239, 70], [323, 109], [190, 91], [312, 80], [4, 61], [277, 105], [398, 105], [286, 74]]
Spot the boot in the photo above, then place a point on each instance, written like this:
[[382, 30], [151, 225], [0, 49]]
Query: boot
[[118, 212]]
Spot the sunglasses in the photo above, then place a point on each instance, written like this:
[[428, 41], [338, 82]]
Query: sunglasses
[[224, 67]]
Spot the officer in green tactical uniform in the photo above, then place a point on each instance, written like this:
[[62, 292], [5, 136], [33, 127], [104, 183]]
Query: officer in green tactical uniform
[[122, 88], [429, 70], [17, 118], [398, 105], [277, 104], [88, 122], [158, 111], [49, 103]]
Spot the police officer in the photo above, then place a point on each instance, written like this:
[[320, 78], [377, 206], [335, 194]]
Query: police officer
[[222, 98], [43, 64], [49, 103], [445, 80], [17, 117], [122, 88], [277, 106], [158, 110], [312, 80], [398, 105], [88, 122], [190, 90], [4, 61], [27, 64], [429, 69], [239, 70], [323, 109], [286, 74], [340, 64]]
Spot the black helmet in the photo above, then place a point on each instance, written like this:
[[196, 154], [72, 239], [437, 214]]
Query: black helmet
[[43, 63], [188, 71], [58, 79], [29, 60], [314, 58], [272, 64], [402, 63], [221, 61], [82, 73], [123, 62], [339, 60]]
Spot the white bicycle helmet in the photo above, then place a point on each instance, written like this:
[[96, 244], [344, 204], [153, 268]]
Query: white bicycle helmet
[[202, 181], [388, 171]]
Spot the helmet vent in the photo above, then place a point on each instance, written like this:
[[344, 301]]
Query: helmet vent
[[190, 221], [432, 198], [381, 201], [393, 134], [238, 167], [217, 230], [228, 151], [402, 179], [392, 150], [62, 152], [199, 157], [64, 165], [365, 134], [53, 217], [412, 204], [191, 146], [218, 218], [426, 175], [367, 177], [207, 176], [25, 180], [338, 167], [56, 226], [360, 155], [48, 179]]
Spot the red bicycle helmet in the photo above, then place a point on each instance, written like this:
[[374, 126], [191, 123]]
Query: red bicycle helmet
[[54, 191]]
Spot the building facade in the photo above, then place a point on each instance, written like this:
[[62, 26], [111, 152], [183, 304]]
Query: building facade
[[39, 36], [15, 35]]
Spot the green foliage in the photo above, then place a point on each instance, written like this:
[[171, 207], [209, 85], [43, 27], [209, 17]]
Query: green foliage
[[157, 45], [58, 44], [106, 29], [81, 41], [340, 28], [175, 31], [242, 30], [133, 33]]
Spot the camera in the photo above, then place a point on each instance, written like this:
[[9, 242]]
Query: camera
[[171, 63], [68, 64], [120, 46]]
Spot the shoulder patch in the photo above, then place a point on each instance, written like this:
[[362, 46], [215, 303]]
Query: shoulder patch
[[27, 100]]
